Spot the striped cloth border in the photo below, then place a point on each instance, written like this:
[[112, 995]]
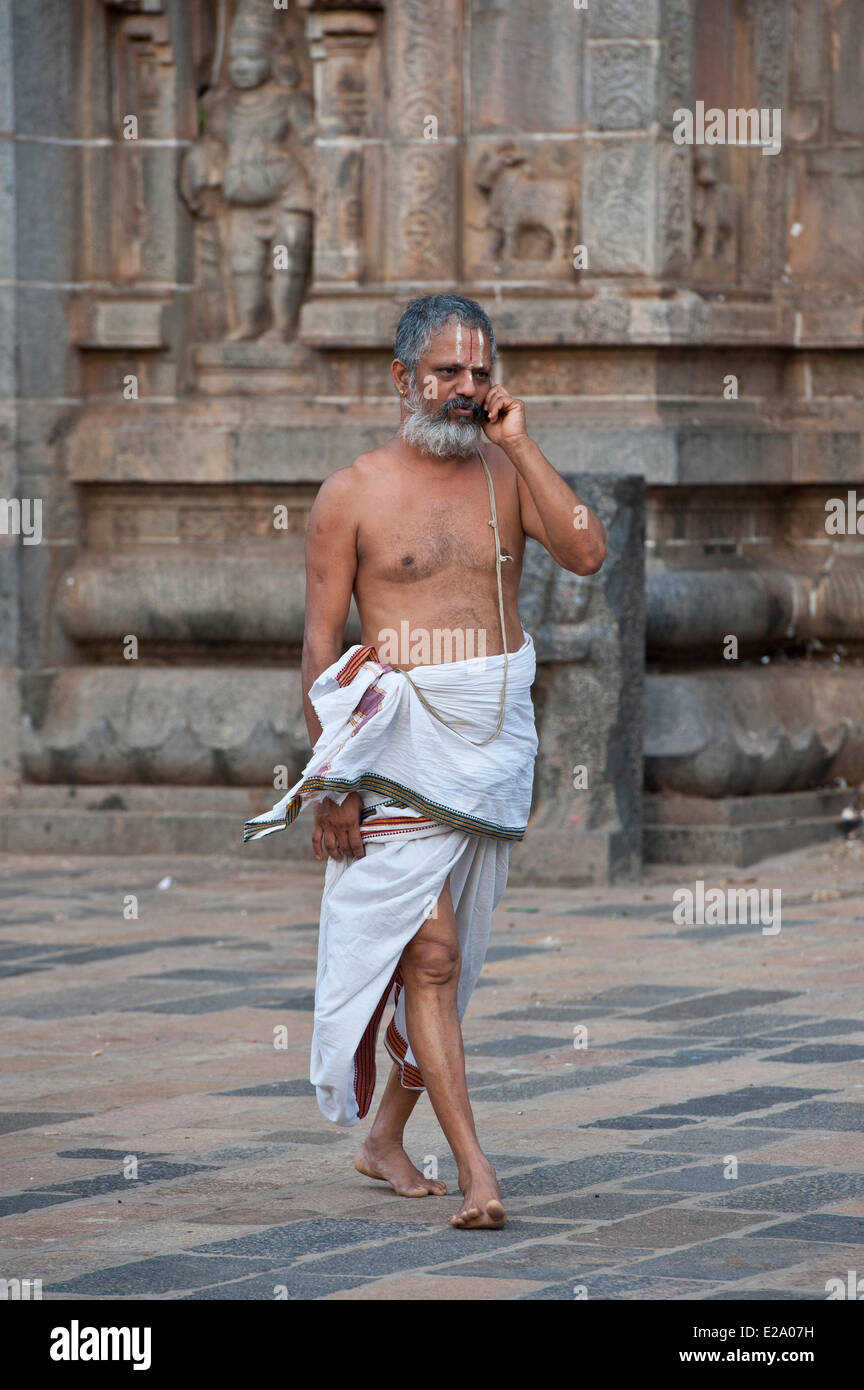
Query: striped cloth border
[[397, 1046], [353, 664], [373, 781]]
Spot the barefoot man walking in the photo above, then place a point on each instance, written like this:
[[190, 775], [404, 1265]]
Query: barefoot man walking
[[423, 733]]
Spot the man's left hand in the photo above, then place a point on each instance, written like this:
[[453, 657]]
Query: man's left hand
[[507, 422]]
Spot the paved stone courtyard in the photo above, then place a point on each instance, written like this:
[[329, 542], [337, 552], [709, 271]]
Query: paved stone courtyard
[[151, 1038]]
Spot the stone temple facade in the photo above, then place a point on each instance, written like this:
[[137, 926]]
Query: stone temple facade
[[211, 215]]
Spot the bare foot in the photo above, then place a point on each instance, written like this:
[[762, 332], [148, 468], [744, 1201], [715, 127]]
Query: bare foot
[[481, 1209], [390, 1163]]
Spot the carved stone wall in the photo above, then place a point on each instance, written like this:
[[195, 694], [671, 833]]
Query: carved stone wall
[[215, 211]]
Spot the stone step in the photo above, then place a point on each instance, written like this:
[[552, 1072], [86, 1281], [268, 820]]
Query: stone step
[[48, 830], [243, 801], [739, 846], [732, 811]]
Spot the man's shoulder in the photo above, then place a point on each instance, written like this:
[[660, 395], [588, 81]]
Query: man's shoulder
[[376, 460], [348, 485]]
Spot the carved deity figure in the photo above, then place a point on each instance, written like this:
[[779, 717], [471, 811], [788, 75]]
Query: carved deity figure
[[715, 211], [248, 172]]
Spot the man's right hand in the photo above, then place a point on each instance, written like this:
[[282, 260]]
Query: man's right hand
[[337, 828]]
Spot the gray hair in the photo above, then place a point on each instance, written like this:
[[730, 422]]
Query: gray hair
[[422, 318]]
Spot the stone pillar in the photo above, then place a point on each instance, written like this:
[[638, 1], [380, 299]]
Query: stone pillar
[[424, 128], [346, 75], [9, 489], [589, 632]]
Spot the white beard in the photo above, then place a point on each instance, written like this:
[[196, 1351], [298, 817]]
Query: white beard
[[436, 434]]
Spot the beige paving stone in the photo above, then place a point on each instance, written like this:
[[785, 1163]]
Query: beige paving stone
[[673, 1227], [43, 1169], [811, 1275], [437, 1288], [842, 1150]]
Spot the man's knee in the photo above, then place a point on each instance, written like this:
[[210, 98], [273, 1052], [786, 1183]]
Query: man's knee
[[431, 963]]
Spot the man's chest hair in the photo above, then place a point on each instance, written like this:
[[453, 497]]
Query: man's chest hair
[[440, 536]]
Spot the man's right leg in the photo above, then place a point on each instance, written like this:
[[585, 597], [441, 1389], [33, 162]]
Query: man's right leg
[[430, 969]]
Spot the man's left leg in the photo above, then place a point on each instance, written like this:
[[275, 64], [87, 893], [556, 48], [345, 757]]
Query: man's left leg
[[431, 964]]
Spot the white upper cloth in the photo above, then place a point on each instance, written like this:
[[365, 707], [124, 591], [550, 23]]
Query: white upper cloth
[[378, 738]]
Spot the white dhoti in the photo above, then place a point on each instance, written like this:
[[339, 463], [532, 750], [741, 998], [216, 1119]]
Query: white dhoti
[[435, 807]]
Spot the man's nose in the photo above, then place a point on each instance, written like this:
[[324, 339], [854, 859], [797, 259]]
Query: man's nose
[[467, 385]]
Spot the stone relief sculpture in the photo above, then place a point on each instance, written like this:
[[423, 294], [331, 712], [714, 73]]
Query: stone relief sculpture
[[520, 205], [249, 179], [715, 212]]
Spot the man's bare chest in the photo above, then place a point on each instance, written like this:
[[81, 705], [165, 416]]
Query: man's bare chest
[[443, 539]]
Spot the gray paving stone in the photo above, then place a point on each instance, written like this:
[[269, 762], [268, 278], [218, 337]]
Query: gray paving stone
[[609, 1286], [803, 1193], [512, 952], [820, 1052], [243, 1153], [716, 1142], [115, 1182], [552, 1013], [603, 912], [299, 1086], [599, 1206], [118, 1154], [587, 1172], [744, 1025], [298, 1282], [690, 1057], [827, 1028], [708, 1177], [843, 1230], [251, 998], [759, 1043], [298, 1238], [87, 955], [634, 996], [655, 1044], [434, 1248], [302, 1136], [11, 1120], [86, 998], [28, 1201], [734, 1102], [833, 1115], [478, 1079], [738, 1257], [541, 1262], [501, 1163], [162, 1274], [762, 1296], [519, 1045], [524, 1089], [723, 930], [44, 919], [712, 1005], [640, 1121], [219, 976], [23, 950]]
